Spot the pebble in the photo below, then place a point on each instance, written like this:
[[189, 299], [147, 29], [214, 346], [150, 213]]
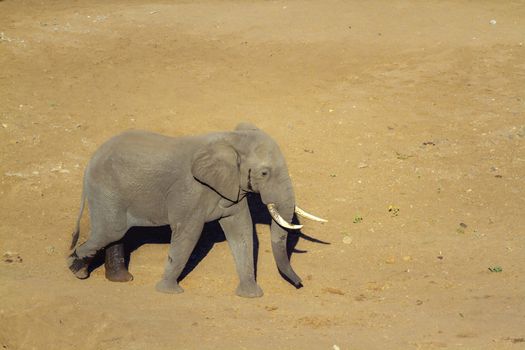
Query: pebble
[[492, 21], [14, 174], [11, 257], [347, 240], [333, 291], [59, 169]]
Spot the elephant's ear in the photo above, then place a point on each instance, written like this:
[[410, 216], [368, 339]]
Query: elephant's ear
[[217, 166], [246, 126]]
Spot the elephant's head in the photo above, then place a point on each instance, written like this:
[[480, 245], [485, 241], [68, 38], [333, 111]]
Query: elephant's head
[[249, 160]]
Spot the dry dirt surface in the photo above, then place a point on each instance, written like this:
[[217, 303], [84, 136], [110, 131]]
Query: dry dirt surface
[[403, 123]]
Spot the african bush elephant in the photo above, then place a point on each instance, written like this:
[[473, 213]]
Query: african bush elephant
[[140, 178]]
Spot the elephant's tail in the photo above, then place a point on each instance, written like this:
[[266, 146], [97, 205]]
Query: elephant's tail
[[76, 233]]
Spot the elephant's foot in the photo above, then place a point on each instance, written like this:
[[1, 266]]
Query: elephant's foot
[[115, 264], [251, 290], [165, 286], [121, 275], [78, 266]]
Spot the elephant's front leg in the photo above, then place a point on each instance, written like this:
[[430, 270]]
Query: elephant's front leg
[[183, 241], [238, 230]]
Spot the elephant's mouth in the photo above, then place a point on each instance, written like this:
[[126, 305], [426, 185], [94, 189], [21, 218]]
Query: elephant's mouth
[[283, 223], [250, 187]]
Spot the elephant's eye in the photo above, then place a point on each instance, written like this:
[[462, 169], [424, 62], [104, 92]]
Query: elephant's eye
[[265, 172]]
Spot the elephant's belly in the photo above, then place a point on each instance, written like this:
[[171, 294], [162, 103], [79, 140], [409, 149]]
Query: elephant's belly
[[146, 218]]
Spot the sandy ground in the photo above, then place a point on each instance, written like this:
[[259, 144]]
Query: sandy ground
[[403, 123]]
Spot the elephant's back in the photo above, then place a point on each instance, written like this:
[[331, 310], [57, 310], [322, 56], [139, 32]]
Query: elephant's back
[[142, 148], [139, 158], [143, 142]]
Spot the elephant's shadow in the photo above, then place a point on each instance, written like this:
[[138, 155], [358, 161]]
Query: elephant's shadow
[[212, 234]]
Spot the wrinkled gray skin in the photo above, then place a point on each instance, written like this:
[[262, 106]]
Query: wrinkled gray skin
[[143, 179]]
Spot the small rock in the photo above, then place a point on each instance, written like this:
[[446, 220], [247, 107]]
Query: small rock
[[347, 240], [333, 291], [390, 260], [12, 257], [393, 210], [14, 174], [357, 219], [495, 269], [492, 21], [335, 347], [362, 165], [462, 227], [521, 132], [270, 308], [59, 168]]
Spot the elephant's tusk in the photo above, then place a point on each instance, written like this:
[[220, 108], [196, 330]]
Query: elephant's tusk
[[279, 219], [304, 214]]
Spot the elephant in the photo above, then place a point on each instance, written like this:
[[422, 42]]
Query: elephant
[[139, 178]]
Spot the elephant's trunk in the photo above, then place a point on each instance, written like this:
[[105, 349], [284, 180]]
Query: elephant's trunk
[[280, 253], [281, 201]]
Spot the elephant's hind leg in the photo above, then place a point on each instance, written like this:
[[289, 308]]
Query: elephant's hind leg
[[107, 226], [82, 256], [115, 264], [79, 266]]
